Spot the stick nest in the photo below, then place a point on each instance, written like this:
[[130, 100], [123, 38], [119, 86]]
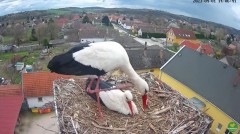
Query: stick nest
[[167, 112]]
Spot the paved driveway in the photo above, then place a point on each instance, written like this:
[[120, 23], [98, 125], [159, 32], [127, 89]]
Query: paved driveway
[[37, 124]]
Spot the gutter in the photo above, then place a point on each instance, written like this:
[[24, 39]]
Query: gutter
[[172, 57]]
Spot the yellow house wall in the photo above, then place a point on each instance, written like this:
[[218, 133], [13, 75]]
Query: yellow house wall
[[174, 39], [217, 115], [155, 71], [171, 36]]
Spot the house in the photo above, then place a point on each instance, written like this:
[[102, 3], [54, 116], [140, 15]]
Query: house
[[177, 35], [233, 61], [37, 87], [232, 48], [206, 49], [150, 31], [229, 50], [148, 59], [11, 100], [200, 47], [189, 44], [62, 21], [128, 42], [209, 84], [75, 17]]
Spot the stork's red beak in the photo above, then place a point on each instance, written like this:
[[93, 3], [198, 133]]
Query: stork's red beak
[[130, 106], [144, 100]]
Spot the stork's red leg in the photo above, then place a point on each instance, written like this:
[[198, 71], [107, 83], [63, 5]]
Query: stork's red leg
[[96, 90], [90, 85]]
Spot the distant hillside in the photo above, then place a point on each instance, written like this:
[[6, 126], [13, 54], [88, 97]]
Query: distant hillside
[[124, 11], [167, 15]]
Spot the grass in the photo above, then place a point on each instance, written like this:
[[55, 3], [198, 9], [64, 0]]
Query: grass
[[7, 40], [58, 12], [5, 59]]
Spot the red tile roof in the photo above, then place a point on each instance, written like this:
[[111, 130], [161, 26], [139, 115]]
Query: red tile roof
[[40, 83], [207, 49], [61, 22], [189, 44], [182, 33], [75, 17], [10, 90], [231, 46], [10, 108]]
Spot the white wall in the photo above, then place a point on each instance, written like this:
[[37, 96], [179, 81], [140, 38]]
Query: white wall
[[33, 101]]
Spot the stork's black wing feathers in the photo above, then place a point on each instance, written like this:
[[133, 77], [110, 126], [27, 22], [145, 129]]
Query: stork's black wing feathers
[[65, 64], [102, 85]]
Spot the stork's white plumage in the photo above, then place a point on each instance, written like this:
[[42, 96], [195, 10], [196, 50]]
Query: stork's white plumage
[[118, 100], [98, 59]]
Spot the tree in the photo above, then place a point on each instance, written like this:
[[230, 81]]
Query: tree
[[18, 33], [41, 32], [229, 40], [33, 35], [52, 30], [219, 34], [45, 42], [105, 21], [86, 19]]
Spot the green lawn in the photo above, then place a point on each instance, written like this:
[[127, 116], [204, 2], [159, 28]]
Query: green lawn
[[33, 57], [7, 40], [173, 48], [58, 12]]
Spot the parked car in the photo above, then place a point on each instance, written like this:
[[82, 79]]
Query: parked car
[[2, 81], [8, 48]]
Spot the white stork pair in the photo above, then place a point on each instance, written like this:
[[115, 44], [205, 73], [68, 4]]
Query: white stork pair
[[98, 59]]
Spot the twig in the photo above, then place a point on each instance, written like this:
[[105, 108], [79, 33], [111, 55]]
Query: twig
[[109, 128], [126, 123], [152, 127], [182, 127], [162, 110]]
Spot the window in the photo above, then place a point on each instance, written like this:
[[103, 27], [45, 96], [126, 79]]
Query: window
[[40, 99], [219, 127]]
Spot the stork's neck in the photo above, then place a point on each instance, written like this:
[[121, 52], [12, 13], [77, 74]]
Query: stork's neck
[[128, 69]]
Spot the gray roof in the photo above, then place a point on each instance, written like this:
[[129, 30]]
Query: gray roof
[[151, 60], [127, 41], [208, 77]]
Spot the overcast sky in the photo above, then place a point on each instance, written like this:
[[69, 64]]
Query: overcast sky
[[223, 13]]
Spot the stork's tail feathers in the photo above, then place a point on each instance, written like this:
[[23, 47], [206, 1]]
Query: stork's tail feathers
[[59, 61]]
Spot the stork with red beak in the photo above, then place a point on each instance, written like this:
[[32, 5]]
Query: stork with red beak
[[98, 59], [114, 99]]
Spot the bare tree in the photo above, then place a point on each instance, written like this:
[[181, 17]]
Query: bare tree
[[206, 32], [18, 33], [219, 34], [53, 30], [41, 32]]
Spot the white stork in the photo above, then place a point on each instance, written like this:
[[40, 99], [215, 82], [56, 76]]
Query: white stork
[[98, 59], [114, 99]]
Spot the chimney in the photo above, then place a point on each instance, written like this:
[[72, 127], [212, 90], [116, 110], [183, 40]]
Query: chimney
[[201, 50], [237, 78], [145, 50], [161, 55]]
